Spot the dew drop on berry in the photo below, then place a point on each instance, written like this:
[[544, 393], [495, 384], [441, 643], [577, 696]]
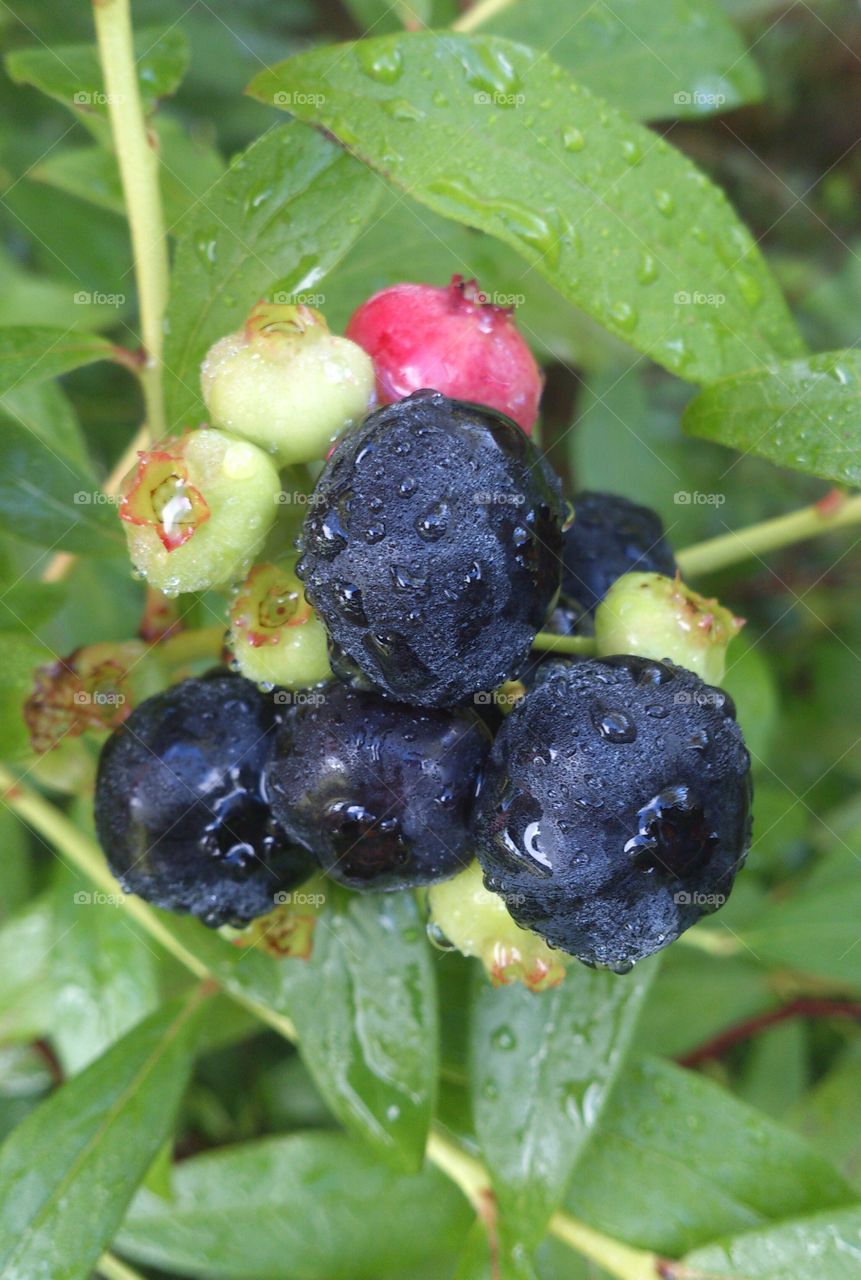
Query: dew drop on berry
[[375, 532], [350, 602], [433, 524], [407, 487], [614, 725]]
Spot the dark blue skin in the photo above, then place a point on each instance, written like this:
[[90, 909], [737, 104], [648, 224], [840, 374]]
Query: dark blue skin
[[610, 536], [615, 807], [180, 812], [432, 549], [379, 792]]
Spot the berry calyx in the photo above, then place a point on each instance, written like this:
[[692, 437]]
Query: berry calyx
[[276, 637], [614, 809], [287, 383], [453, 340], [432, 549], [180, 810], [468, 917], [610, 536], [659, 617], [197, 509], [380, 793]]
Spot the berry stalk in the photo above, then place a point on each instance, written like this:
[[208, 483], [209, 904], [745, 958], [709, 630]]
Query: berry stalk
[[138, 162], [112, 1268], [549, 642], [834, 511]]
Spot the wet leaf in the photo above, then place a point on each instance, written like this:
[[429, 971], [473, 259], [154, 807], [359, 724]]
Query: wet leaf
[[625, 226]]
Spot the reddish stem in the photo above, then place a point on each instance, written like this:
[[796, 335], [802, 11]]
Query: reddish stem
[[803, 1007]]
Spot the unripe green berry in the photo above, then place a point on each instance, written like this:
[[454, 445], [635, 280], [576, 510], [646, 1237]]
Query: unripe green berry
[[476, 922], [275, 635], [287, 383], [197, 510], [652, 616]]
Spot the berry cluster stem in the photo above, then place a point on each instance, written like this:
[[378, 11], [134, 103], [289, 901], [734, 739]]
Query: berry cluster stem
[[137, 157], [548, 642], [112, 1268], [54, 827], [479, 14], [835, 511]]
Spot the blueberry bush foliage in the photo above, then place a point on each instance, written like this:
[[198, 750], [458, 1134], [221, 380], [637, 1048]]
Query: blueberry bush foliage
[[667, 192]]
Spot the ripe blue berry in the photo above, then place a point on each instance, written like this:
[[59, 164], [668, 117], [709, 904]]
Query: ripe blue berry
[[380, 793], [179, 808], [614, 810], [610, 536], [432, 548]]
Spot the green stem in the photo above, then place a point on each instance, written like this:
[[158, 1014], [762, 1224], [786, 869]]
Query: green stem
[[202, 643], [618, 1259], [139, 169], [547, 642], [472, 1178], [768, 535], [712, 941], [114, 1269], [480, 13]]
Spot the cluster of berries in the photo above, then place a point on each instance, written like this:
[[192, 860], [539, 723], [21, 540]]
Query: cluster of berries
[[388, 719]]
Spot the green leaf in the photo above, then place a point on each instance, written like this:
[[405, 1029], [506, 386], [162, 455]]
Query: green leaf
[[104, 972], [319, 1205], [371, 1043], [651, 59], [486, 133], [804, 414], [477, 1262], [32, 354], [542, 1066], [22, 654], [43, 407], [48, 499], [281, 217], [677, 1161], [827, 1117], [825, 1247], [188, 169], [72, 74], [68, 1172], [25, 985]]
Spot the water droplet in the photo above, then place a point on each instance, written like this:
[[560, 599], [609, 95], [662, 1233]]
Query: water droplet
[[613, 725], [206, 247], [647, 270], [433, 524], [375, 532], [632, 151], [748, 287], [384, 65], [573, 139], [664, 202], [350, 603], [407, 487], [402, 109], [624, 314], [503, 1038]]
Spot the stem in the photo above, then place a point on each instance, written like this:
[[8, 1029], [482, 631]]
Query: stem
[[618, 1259], [713, 942], [547, 642], [113, 1268], [139, 169], [480, 13], [802, 1007], [768, 535], [191, 646]]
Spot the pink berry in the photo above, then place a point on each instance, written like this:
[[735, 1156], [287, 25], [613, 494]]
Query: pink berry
[[450, 339]]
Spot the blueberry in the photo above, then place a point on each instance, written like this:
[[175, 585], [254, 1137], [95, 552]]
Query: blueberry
[[432, 549], [379, 792], [610, 536], [615, 807], [179, 808]]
